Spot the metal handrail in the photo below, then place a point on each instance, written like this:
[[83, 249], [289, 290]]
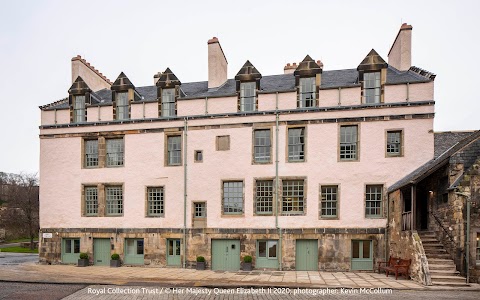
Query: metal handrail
[[450, 236]]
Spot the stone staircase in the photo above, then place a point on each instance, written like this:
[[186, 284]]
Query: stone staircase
[[442, 268]]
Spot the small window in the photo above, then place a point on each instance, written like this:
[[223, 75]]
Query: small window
[[296, 144], [79, 115], [349, 142], [233, 197], [155, 202], [198, 156], [174, 150], [114, 152], [72, 245], [91, 200], [329, 203], [133, 247], [122, 109], [394, 143], [267, 249], [262, 145], [371, 87], [373, 200], [293, 196], [114, 200], [200, 211], [168, 103], [91, 153], [223, 143], [264, 196], [307, 93], [247, 96]]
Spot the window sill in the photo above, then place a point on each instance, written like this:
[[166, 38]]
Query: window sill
[[261, 163], [233, 215], [283, 214], [329, 218], [375, 217], [348, 160], [256, 214], [295, 161], [92, 168], [179, 165], [114, 216], [115, 166], [159, 216], [388, 156]]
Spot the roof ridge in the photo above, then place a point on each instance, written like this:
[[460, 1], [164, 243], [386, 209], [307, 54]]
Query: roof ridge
[[91, 67], [61, 101], [423, 72]]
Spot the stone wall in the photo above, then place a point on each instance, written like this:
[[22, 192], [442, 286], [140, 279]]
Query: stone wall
[[334, 253]]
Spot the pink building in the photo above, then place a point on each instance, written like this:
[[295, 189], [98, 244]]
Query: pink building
[[291, 169]]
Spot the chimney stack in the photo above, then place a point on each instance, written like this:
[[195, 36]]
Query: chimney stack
[[400, 55], [217, 64], [290, 68], [91, 76]]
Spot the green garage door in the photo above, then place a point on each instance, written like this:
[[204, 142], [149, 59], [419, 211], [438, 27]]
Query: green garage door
[[134, 252], [306, 255], [101, 252], [226, 255], [362, 255], [70, 251]]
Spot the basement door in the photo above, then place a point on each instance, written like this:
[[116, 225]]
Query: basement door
[[173, 252], [306, 255], [226, 255], [362, 255], [70, 251], [101, 252]]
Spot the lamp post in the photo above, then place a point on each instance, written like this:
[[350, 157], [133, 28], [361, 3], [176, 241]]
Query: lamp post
[[467, 248]]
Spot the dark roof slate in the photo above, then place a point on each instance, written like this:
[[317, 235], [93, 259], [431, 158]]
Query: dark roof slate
[[268, 84], [445, 140]]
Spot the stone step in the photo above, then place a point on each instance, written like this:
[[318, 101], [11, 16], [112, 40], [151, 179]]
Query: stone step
[[440, 261], [425, 232], [430, 241], [449, 272], [432, 246], [441, 267], [437, 255], [455, 284], [442, 278], [435, 251]]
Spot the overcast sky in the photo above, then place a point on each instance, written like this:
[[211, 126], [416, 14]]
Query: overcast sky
[[39, 38]]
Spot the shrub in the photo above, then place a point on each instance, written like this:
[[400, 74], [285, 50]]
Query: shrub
[[83, 255], [247, 259], [115, 256], [200, 259]]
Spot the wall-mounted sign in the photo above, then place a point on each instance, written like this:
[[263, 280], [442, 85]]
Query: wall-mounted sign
[[47, 235]]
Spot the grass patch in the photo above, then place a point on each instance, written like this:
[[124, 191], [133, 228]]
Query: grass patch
[[21, 240], [19, 250]]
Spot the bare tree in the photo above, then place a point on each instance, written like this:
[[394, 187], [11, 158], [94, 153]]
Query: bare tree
[[22, 204]]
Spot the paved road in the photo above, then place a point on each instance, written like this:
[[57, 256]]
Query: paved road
[[35, 291], [9, 245], [151, 292], [7, 258]]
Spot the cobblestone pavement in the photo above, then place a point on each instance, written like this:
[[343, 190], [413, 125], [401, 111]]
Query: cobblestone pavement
[[35, 291], [149, 292]]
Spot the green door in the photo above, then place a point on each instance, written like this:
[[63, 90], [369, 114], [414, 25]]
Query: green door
[[133, 252], [362, 255], [70, 251], [267, 254], [226, 255], [173, 252], [306, 255], [101, 252]]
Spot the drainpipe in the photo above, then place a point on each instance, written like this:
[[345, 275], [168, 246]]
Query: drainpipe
[[386, 228], [185, 134], [408, 91], [276, 184], [206, 105]]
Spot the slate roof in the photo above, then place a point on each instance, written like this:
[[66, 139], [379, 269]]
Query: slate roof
[[451, 147], [268, 84], [445, 140]]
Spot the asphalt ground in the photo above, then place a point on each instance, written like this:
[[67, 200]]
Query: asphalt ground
[[36, 291]]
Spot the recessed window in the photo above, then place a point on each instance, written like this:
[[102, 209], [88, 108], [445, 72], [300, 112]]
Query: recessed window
[[168, 103], [296, 144], [91, 200], [373, 200], [122, 106], [247, 96], [200, 211], [262, 145], [394, 143], [91, 153], [349, 142], [155, 202], [293, 196], [329, 203], [174, 150], [371, 87], [233, 197], [223, 143], [198, 156], [79, 115], [267, 249], [114, 152], [114, 200], [307, 93], [264, 196]]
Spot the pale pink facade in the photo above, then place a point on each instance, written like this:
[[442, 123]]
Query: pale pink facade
[[406, 106]]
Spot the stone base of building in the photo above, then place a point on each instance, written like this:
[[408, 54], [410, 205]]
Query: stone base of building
[[328, 249]]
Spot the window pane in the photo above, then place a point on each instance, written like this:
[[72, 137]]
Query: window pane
[[168, 103], [272, 249], [394, 143], [372, 87], [247, 96], [373, 200], [174, 149], [114, 200], [76, 246], [233, 197], [264, 196], [139, 246], [262, 145], [177, 247], [122, 108], [155, 201], [262, 249], [114, 152], [329, 201], [307, 92], [68, 246], [91, 153], [170, 247], [348, 142], [91, 201], [130, 246], [200, 210], [79, 109], [355, 249], [292, 201], [366, 249], [296, 144]]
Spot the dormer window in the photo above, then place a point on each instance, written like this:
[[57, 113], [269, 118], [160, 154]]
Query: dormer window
[[307, 92], [168, 103], [79, 114], [122, 106], [247, 96], [371, 87]]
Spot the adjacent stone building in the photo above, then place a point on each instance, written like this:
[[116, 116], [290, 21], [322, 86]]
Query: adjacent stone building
[[292, 169]]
